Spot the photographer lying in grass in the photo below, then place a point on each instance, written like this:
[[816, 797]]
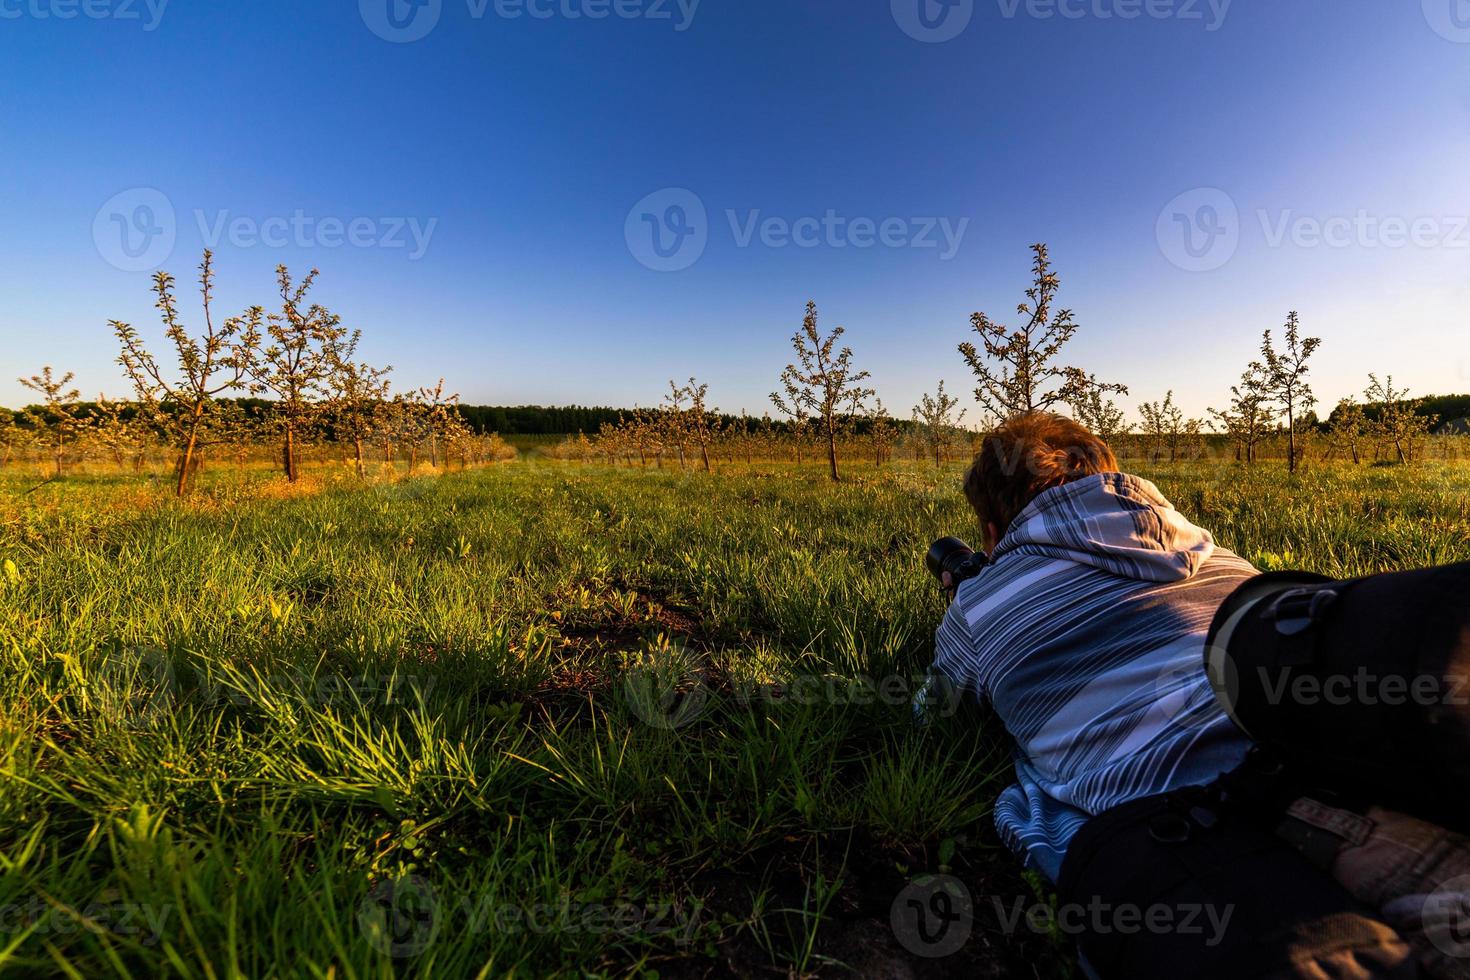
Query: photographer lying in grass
[[1086, 634]]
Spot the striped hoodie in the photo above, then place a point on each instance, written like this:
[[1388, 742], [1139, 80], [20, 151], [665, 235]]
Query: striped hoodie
[[1086, 635]]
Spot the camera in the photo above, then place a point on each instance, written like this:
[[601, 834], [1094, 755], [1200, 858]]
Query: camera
[[954, 556]]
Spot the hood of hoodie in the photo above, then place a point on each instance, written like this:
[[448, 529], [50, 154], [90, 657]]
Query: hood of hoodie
[[1113, 521]]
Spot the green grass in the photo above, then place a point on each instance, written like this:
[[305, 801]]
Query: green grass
[[564, 719]]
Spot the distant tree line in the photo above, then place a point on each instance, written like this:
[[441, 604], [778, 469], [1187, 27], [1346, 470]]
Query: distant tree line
[[292, 379]]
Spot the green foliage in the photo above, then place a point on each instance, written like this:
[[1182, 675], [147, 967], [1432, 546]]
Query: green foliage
[[262, 718]]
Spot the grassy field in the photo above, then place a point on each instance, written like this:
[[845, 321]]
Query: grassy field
[[534, 719]]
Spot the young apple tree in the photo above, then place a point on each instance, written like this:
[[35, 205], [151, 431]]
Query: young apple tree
[[182, 405], [1284, 379], [1396, 421], [935, 418], [692, 424], [1163, 427], [825, 385], [358, 393], [57, 413], [1348, 427], [1102, 417], [1250, 417], [296, 365], [1015, 369]]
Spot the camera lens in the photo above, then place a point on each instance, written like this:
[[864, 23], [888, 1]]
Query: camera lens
[[947, 555]]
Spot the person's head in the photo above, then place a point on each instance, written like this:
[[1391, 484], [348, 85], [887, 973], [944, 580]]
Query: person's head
[[1023, 457]]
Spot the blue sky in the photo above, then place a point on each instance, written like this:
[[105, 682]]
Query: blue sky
[[475, 197]]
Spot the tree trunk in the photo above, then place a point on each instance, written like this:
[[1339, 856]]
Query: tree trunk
[[1290, 440], [288, 454], [832, 452], [357, 445], [186, 460], [188, 466]]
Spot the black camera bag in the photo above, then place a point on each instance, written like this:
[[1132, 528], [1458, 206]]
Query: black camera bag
[[1181, 857], [1360, 685]]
